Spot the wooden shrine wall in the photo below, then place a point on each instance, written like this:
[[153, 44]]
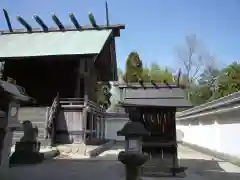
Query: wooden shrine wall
[[160, 122]]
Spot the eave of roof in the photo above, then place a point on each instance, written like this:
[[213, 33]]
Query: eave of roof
[[53, 43], [149, 95], [179, 103], [15, 91]]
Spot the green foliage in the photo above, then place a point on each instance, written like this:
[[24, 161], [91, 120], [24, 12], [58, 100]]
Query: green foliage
[[229, 80], [103, 94], [134, 69], [214, 84], [159, 74], [200, 94]]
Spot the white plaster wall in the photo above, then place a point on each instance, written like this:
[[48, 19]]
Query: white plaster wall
[[112, 126], [223, 135], [230, 139]]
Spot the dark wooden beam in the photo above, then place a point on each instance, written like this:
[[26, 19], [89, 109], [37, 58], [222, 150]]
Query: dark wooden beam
[[7, 20], [58, 22], [24, 23], [41, 23], [107, 15], [74, 21]]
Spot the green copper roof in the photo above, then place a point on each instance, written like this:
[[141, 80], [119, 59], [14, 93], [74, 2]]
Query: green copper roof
[[53, 43]]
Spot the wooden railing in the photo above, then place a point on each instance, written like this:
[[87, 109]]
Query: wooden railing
[[90, 112], [80, 103], [51, 115]]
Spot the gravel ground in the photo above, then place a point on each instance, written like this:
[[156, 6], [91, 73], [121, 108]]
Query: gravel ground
[[200, 167]]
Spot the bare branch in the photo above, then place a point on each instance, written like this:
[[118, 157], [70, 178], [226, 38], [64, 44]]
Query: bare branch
[[191, 58]]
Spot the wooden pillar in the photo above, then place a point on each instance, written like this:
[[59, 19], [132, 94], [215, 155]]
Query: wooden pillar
[[78, 83], [98, 131], [99, 126], [91, 126], [95, 124], [103, 128], [84, 124], [174, 129], [85, 117]]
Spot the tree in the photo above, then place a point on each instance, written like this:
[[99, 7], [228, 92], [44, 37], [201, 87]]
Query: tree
[[210, 72], [103, 94], [157, 74], [191, 58], [134, 69], [228, 81], [146, 74], [115, 98]]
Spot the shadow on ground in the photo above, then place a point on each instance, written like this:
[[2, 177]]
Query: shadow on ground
[[106, 167], [74, 169], [212, 169]]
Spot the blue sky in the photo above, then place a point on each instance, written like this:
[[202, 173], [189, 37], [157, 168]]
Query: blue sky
[[154, 28]]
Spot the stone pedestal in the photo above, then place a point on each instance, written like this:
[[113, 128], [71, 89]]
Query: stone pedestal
[[27, 150], [26, 153], [132, 162]]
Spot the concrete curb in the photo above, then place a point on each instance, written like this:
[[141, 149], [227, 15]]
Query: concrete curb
[[226, 157], [101, 148]]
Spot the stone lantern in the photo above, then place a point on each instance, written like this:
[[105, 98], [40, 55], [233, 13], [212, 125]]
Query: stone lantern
[[133, 157], [10, 97]]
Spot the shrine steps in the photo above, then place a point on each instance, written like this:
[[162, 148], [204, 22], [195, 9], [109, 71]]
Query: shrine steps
[[37, 115]]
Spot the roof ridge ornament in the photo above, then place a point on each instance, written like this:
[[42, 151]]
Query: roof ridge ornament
[[41, 23], [7, 20], [58, 22], [60, 26], [154, 84], [107, 15], [74, 21], [167, 84], [24, 23], [92, 20]]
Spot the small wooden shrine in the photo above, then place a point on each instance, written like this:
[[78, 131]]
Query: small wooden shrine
[[59, 67], [155, 105]]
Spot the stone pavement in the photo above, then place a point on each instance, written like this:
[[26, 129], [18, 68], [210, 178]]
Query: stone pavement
[[201, 167]]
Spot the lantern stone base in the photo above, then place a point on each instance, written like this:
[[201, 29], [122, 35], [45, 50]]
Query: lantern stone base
[[26, 153], [132, 158], [132, 161]]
